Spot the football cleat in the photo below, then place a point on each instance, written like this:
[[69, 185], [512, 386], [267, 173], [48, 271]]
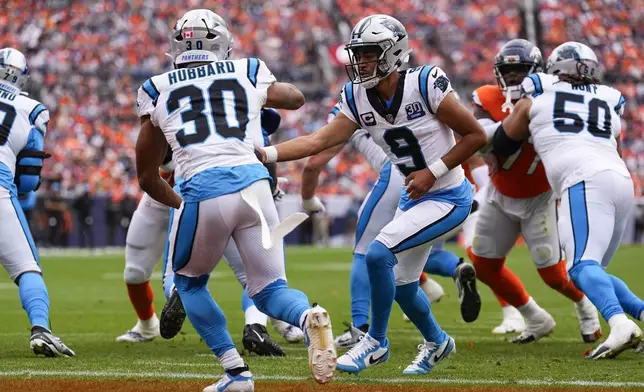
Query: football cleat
[[621, 338], [513, 321], [319, 338], [138, 334], [234, 380], [257, 340], [43, 342], [465, 278], [429, 355], [290, 333], [351, 336], [172, 316], [368, 352], [537, 328], [640, 349]]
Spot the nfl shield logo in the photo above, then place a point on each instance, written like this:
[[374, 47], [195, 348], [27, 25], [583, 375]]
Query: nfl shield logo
[[390, 118], [187, 34]]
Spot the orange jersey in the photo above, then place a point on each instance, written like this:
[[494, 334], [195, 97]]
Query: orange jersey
[[521, 175]]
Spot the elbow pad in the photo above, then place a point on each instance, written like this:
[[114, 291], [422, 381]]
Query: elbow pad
[[28, 168], [502, 144]]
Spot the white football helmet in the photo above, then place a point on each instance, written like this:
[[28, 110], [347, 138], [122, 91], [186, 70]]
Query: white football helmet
[[200, 36], [381, 34], [573, 58], [14, 71]]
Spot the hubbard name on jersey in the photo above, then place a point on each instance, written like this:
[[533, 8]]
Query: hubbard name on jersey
[[573, 128], [23, 124], [406, 128], [210, 116]]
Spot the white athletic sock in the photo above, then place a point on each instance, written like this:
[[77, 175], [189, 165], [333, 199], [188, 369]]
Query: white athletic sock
[[617, 319], [254, 316], [152, 323], [302, 318], [530, 309], [231, 359]]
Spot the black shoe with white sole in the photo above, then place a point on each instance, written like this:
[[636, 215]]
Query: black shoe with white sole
[[257, 340], [43, 342], [465, 278], [172, 316]]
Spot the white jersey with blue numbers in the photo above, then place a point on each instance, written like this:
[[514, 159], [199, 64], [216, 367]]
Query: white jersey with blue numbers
[[362, 141], [23, 124], [407, 128], [210, 115], [574, 129]]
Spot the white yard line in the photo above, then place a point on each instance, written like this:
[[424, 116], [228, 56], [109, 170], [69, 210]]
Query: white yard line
[[411, 380]]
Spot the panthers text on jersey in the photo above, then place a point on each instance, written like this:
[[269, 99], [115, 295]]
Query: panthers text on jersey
[[522, 174], [210, 116], [23, 124], [407, 128], [573, 128]]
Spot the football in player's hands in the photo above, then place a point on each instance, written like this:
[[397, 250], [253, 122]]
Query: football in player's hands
[[419, 182]]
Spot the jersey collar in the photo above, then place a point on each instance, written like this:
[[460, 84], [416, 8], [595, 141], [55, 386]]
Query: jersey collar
[[388, 113]]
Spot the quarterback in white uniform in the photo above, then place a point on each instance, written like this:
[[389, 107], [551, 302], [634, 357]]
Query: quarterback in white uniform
[[574, 122], [409, 115], [208, 111], [377, 210], [23, 124]]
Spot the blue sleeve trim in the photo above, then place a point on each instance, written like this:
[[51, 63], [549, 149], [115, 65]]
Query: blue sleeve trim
[[621, 103], [348, 91], [422, 85], [35, 113], [253, 70], [538, 88], [335, 110], [151, 90]]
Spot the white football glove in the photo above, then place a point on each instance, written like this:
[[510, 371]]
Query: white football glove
[[313, 205]]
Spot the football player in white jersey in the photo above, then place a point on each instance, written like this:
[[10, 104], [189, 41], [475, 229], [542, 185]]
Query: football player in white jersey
[[208, 110], [145, 244], [409, 115], [378, 209], [574, 122], [23, 124]]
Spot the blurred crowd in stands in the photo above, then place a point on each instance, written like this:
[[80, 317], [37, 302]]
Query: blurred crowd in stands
[[88, 58]]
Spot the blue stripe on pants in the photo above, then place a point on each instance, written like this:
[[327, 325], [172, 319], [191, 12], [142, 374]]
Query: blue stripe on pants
[[25, 227], [374, 198], [454, 218], [185, 236], [579, 218]]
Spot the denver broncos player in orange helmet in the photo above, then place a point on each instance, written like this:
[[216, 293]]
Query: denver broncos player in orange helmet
[[520, 202]]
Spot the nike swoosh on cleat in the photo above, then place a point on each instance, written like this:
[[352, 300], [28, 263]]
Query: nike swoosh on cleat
[[261, 339], [373, 360]]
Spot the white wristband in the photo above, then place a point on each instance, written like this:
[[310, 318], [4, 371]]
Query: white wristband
[[271, 154], [438, 168]]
